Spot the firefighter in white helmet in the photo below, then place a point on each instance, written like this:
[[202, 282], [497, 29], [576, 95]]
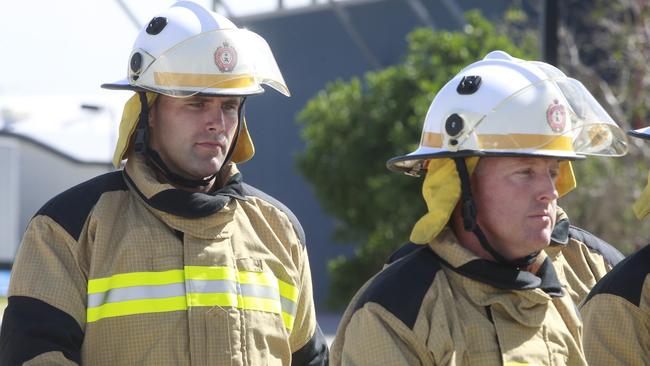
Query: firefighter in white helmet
[[496, 148], [621, 302], [172, 260]]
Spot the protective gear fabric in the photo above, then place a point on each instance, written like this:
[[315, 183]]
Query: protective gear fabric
[[441, 191], [138, 272], [616, 315], [128, 123], [442, 305], [244, 149], [580, 258], [505, 106]]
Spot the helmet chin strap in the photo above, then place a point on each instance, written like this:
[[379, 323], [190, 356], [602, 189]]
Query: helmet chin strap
[[469, 212], [141, 146]]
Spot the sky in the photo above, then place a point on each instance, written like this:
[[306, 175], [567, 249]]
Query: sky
[[73, 46]]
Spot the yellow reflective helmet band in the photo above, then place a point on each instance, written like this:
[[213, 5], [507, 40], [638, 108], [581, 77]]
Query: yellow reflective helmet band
[[441, 190], [187, 80], [509, 141], [243, 151]]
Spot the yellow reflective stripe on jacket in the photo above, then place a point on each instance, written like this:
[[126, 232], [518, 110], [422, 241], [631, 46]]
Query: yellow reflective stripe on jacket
[[209, 273], [135, 279], [177, 290]]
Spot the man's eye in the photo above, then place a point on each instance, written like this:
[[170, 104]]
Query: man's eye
[[554, 173], [197, 105]]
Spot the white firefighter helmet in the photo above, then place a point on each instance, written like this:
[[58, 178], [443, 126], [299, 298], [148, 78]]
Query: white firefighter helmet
[[188, 50], [506, 106]]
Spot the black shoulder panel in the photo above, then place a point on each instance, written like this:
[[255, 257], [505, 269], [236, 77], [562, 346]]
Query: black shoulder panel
[[611, 254], [403, 251], [314, 353], [626, 279], [31, 327], [252, 191], [412, 276], [70, 209]]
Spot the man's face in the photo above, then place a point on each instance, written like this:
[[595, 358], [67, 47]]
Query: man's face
[[193, 135], [516, 201]]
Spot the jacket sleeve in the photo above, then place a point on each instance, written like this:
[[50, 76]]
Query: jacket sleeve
[[45, 317], [374, 337], [616, 332], [307, 341]]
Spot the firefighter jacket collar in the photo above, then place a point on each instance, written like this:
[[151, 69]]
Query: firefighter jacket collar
[[462, 261], [560, 234], [201, 214]]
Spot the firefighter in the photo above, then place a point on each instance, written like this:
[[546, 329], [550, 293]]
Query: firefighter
[[496, 148], [616, 314], [173, 260]]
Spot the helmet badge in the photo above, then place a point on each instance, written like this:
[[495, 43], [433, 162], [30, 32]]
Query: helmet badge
[[556, 116], [226, 58]]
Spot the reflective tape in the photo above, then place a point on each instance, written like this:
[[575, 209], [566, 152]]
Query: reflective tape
[[508, 142], [194, 286]]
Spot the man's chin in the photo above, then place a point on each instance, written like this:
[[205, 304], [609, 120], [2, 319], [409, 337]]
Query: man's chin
[[208, 168]]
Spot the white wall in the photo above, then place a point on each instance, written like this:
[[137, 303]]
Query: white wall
[[37, 175], [9, 203]]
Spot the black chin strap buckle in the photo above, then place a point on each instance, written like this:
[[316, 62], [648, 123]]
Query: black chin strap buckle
[[468, 207], [139, 140], [469, 214]]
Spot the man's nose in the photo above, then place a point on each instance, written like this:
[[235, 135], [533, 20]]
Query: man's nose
[[215, 121], [547, 190]]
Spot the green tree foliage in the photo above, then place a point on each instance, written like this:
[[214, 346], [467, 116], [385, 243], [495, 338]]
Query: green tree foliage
[[353, 127], [606, 45]]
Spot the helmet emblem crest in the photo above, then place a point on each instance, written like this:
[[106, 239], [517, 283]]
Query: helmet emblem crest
[[226, 57], [556, 116]]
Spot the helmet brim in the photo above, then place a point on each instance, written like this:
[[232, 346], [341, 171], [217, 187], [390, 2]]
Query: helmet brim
[[642, 133], [124, 84], [409, 163]]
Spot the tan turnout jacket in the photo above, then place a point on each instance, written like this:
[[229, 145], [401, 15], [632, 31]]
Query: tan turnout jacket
[[444, 306], [124, 270], [616, 315]]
